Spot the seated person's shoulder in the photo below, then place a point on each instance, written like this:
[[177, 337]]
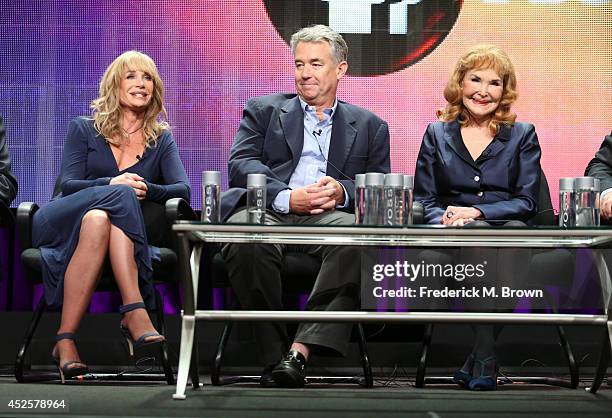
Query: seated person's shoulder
[[165, 136], [438, 128], [84, 124], [437, 125], [270, 101], [523, 127], [360, 113], [83, 121]]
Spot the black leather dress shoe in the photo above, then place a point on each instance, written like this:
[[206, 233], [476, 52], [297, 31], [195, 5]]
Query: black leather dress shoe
[[290, 372], [266, 379]]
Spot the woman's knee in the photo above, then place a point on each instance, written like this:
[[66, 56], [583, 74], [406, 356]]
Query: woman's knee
[[96, 225]]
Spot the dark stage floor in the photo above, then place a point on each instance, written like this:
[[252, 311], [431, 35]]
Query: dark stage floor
[[97, 399]]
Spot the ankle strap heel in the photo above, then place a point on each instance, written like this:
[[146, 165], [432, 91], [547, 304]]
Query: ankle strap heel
[[66, 336], [147, 339], [71, 368], [132, 306]]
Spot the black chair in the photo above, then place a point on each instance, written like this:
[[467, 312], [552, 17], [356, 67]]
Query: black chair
[[7, 221], [7, 218], [544, 261], [158, 220]]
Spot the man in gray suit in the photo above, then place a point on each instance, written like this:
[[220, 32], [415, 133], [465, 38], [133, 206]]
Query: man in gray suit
[[309, 146], [8, 183]]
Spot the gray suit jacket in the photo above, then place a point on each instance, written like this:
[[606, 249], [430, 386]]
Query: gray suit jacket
[[271, 137]]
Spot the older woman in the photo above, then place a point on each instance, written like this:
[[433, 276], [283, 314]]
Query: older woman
[[477, 164], [122, 156]]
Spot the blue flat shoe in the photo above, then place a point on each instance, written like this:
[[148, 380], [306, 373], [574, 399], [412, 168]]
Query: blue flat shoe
[[145, 339], [485, 382]]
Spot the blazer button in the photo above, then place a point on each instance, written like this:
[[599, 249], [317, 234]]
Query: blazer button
[[476, 178], [479, 194]]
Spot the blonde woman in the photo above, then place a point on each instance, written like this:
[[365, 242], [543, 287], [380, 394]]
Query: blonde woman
[[477, 166], [122, 156]]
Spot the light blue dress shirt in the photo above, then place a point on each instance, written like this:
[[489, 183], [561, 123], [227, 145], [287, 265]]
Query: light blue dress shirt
[[313, 160]]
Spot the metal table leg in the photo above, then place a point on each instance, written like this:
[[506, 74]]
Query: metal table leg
[[606, 344], [190, 270], [185, 356]]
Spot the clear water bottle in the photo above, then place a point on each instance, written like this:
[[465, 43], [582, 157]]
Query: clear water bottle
[[394, 199], [408, 193], [211, 197], [567, 216], [359, 198], [374, 199], [585, 201], [256, 198]]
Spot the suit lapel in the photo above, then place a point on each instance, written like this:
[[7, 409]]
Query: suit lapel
[[342, 138], [498, 143], [292, 123], [452, 136]]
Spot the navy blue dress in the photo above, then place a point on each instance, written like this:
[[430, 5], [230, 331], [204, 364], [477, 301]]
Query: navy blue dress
[[88, 165]]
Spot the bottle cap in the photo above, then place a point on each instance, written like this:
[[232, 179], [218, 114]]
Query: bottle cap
[[584, 183], [374, 179], [408, 181], [211, 177], [256, 180], [566, 184], [394, 180], [360, 180]]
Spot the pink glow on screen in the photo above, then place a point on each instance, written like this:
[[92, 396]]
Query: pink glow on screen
[[215, 55], [561, 53]]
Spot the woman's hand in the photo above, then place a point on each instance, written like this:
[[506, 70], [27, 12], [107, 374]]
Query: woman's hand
[[459, 215], [134, 181]]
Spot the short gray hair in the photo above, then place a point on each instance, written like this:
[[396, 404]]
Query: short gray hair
[[322, 33]]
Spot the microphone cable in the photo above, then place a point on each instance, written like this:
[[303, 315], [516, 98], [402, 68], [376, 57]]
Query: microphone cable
[[318, 133]]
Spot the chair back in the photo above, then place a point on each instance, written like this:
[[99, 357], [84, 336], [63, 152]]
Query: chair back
[[7, 218], [546, 213]]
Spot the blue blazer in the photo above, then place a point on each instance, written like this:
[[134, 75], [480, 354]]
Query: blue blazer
[[503, 182], [271, 137]]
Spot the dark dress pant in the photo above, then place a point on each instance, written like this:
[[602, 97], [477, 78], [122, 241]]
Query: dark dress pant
[[255, 274]]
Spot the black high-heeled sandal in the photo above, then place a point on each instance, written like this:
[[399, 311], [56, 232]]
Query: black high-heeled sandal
[[65, 371], [485, 382], [142, 340]]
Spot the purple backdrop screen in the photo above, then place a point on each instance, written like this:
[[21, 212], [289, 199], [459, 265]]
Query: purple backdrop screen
[[213, 55]]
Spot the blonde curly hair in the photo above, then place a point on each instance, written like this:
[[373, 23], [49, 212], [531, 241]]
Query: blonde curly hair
[[106, 109], [481, 57]]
